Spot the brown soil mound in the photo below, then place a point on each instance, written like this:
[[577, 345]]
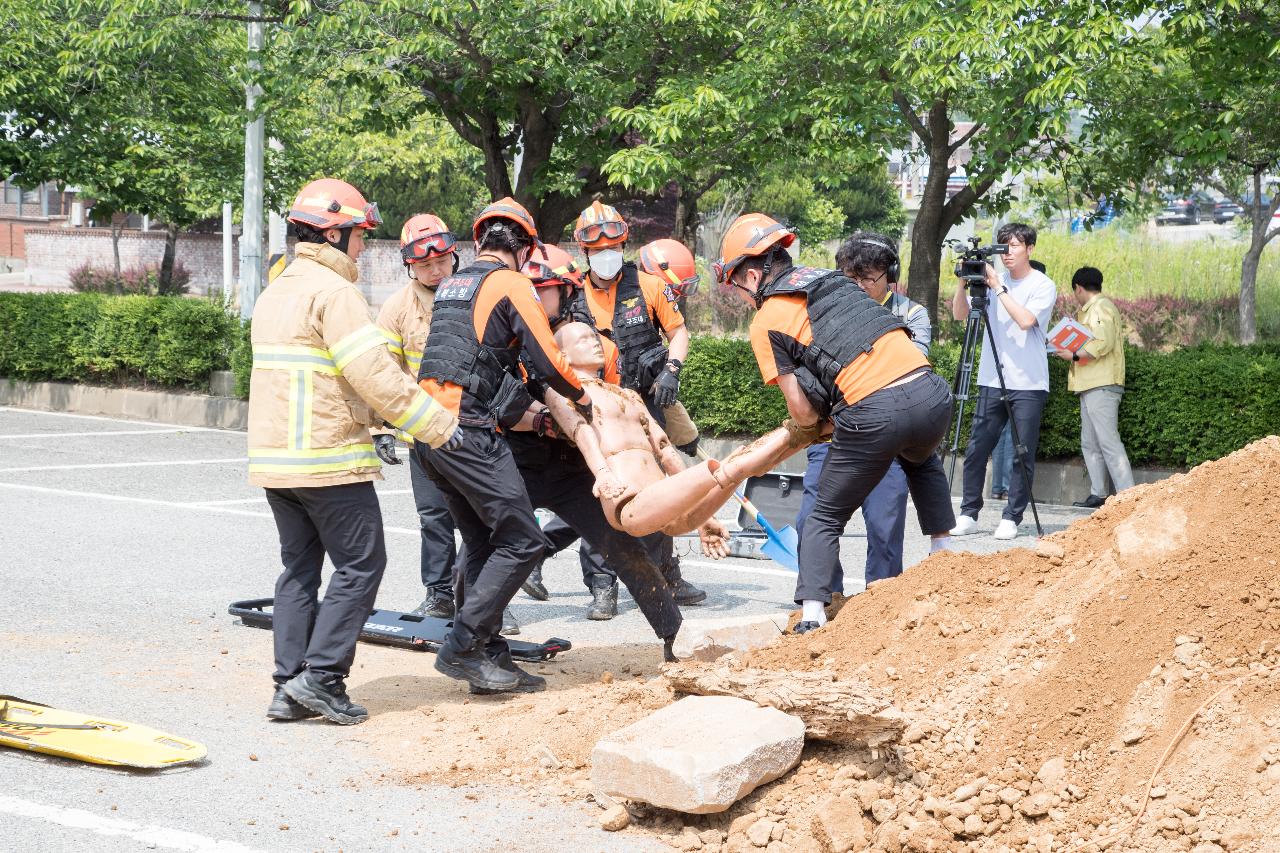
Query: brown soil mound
[[1088, 656], [1042, 686]]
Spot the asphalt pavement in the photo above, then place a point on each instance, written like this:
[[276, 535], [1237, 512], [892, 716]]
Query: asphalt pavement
[[122, 544]]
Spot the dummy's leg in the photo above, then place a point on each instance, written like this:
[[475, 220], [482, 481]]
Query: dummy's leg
[[689, 498]]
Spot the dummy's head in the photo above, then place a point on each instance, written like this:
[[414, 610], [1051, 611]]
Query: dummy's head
[[581, 346]]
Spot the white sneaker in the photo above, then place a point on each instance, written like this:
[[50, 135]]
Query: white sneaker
[[1006, 529], [965, 526]]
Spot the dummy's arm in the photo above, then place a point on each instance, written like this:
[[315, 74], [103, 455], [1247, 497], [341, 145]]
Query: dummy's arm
[[668, 459], [575, 428]]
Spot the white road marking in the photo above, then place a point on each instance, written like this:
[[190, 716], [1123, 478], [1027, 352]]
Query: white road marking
[[199, 507], [181, 427], [154, 836], [148, 464], [92, 434]]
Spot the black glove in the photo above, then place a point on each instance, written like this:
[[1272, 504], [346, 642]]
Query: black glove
[[385, 447], [690, 449], [544, 426], [454, 442], [583, 408], [667, 385]]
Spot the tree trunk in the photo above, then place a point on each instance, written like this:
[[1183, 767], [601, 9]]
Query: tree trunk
[[840, 711], [928, 232], [165, 285], [117, 225], [685, 226], [1249, 293]]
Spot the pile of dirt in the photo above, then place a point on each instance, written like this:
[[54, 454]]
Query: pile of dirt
[[1042, 689]]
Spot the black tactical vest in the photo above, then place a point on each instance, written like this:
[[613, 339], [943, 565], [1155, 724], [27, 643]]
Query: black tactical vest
[[845, 322], [639, 342], [453, 354]]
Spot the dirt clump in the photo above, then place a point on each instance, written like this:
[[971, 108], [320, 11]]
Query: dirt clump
[[1043, 686]]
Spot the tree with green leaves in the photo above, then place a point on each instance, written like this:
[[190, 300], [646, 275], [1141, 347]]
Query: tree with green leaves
[[1013, 71], [1195, 104], [142, 114], [530, 86]]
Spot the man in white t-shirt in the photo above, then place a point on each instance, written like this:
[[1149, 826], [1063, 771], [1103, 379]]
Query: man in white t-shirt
[[1019, 308]]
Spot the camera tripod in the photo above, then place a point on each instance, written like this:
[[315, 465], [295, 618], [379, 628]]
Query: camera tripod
[[976, 322]]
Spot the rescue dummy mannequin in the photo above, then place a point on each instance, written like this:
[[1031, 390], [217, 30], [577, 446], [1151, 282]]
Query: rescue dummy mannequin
[[641, 480]]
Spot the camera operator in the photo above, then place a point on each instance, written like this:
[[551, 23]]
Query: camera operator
[[1019, 306]]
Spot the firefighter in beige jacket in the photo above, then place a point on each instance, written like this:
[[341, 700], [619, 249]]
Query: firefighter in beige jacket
[[430, 254], [322, 376]]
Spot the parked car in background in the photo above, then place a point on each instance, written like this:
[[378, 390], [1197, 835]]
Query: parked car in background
[[1182, 211], [1226, 211]]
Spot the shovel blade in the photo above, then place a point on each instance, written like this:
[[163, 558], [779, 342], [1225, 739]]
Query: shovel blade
[[783, 547]]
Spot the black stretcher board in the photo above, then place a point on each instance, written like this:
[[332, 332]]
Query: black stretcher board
[[402, 630]]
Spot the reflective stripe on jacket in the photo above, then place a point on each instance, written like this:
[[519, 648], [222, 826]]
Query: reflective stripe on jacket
[[322, 376], [404, 321]]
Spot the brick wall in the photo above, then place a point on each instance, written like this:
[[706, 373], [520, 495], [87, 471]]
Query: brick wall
[[52, 253]]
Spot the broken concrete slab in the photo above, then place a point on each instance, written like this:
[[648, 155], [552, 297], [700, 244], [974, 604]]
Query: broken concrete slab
[[699, 755], [710, 639]]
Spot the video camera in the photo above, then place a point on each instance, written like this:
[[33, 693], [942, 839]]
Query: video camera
[[973, 260]]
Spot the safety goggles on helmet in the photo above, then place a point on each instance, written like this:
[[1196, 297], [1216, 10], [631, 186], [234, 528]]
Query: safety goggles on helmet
[[540, 273], [722, 269], [366, 217], [593, 233], [429, 246]]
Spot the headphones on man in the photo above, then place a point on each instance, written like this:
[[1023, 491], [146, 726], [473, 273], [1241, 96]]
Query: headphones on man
[[894, 268]]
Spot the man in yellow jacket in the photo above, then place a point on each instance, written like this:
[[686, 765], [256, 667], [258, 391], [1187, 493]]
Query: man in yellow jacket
[[322, 376], [430, 253]]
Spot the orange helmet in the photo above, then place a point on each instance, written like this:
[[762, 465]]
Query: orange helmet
[[671, 261], [553, 266], [506, 208], [750, 236], [426, 236], [331, 203], [599, 227]]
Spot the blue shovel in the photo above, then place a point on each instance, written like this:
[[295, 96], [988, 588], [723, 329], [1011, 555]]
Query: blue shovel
[[782, 546]]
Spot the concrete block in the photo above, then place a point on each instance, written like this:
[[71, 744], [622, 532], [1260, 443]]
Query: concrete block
[[710, 639], [699, 755], [222, 383]]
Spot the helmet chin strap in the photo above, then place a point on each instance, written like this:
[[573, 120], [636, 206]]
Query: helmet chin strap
[[343, 242]]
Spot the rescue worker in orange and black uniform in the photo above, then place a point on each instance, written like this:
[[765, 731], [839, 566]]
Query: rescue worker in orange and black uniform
[[559, 479], [322, 376], [483, 318], [634, 310], [840, 358]]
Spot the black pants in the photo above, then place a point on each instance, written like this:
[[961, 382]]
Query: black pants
[[346, 523], [558, 480], [906, 423], [596, 573], [438, 550], [501, 540], [988, 423]]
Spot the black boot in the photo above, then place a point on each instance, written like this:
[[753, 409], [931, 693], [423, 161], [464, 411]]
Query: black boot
[[533, 586], [668, 649], [474, 667], [1091, 502], [527, 681], [686, 593], [284, 708], [437, 604], [327, 696], [604, 603], [510, 627]]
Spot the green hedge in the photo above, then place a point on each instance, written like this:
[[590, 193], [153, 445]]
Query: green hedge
[[86, 337], [1181, 408]]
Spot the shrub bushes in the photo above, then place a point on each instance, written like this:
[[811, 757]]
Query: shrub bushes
[[1181, 408], [123, 340], [144, 281]]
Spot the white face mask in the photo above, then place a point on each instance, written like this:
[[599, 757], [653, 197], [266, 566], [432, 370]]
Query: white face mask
[[606, 263]]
